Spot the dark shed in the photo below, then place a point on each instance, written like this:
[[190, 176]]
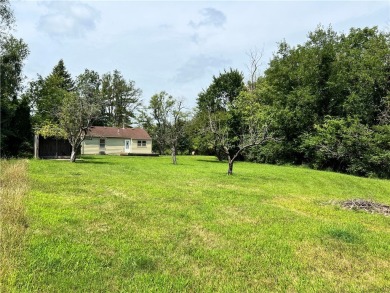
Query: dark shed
[[51, 148]]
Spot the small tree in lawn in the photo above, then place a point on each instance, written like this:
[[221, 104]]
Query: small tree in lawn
[[160, 106], [254, 128], [80, 108], [169, 118], [176, 127], [217, 100]]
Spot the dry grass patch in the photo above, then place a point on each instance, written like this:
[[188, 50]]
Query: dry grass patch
[[13, 224], [208, 239], [340, 267], [235, 214]]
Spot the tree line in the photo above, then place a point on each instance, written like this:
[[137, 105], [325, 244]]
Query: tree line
[[324, 104]]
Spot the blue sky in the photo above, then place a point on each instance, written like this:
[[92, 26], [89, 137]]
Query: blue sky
[[175, 46]]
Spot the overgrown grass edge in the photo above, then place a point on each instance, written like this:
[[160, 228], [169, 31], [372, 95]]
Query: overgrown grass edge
[[14, 185]]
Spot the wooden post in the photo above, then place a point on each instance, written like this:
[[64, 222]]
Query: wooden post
[[36, 146]]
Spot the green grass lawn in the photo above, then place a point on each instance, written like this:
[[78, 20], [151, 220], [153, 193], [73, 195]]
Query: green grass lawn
[[140, 224]]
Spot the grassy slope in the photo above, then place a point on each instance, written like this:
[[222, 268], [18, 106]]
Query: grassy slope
[[142, 224]]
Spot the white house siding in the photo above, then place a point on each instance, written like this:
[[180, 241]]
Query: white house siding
[[141, 150], [112, 146], [115, 146], [90, 146]]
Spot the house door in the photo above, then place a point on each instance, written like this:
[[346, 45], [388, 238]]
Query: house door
[[127, 146]]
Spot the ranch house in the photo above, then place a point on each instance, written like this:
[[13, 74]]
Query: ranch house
[[113, 140]]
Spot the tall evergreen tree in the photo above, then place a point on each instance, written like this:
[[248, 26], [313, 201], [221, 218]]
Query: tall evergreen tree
[[121, 100], [66, 81], [46, 94]]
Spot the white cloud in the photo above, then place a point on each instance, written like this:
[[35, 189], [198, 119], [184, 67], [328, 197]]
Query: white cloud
[[68, 19], [210, 17]]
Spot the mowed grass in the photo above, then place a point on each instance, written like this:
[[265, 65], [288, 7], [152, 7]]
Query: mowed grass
[[140, 224]]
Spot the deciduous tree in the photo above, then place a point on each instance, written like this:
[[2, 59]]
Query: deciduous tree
[[216, 101], [176, 127], [255, 127], [80, 108], [160, 106], [169, 119], [16, 132], [7, 18], [342, 76]]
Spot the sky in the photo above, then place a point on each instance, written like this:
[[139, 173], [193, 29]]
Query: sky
[[175, 46]]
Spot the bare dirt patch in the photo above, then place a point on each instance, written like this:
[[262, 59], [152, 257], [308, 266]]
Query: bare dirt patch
[[366, 205]]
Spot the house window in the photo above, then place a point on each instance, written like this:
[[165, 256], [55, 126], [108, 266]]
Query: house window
[[141, 143], [102, 144]]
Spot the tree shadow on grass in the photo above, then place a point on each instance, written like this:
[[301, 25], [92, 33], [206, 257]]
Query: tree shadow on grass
[[95, 161], [211, 161]]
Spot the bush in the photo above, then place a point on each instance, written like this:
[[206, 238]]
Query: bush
[[346, 145]]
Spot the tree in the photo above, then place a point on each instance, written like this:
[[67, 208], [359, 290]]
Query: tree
[[233, 116], [169, 120], [254, 129], [199, 139], [175, 127], [384, 114], [160, 106], [216, 101], [343, 76], [342, 145], [47, 94], [13, 52], [7, 18], [221, 92], [121, 100], [23, 134], [347, 145], [15, 137], [66, 81], [80, 108], [255, 57], [361, 73]]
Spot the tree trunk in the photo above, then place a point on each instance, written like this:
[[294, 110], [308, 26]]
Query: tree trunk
[[161, 147], [219, 153], [230, 170], [174, 162], [73, 154]]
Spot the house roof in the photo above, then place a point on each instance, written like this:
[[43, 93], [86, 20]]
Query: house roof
[[102, 131]]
